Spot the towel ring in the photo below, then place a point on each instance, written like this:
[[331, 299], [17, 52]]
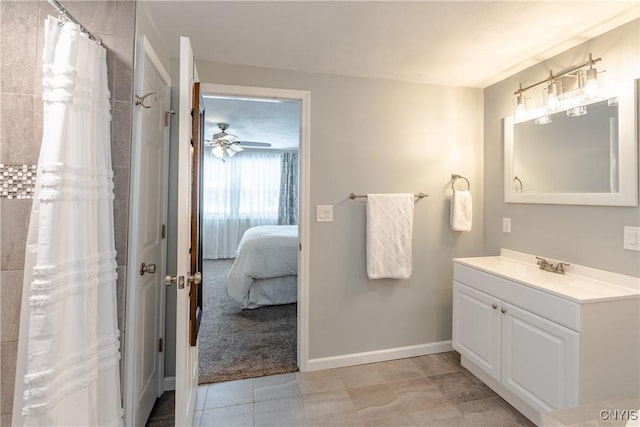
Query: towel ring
[[455, 177], [516, 179]]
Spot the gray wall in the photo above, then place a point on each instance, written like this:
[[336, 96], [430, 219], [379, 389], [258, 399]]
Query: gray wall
[[377, 136], [587, 235], [21, 42]]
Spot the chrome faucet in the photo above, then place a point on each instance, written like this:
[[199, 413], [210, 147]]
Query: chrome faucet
[[559, 268], [554, 268], [544, 264]]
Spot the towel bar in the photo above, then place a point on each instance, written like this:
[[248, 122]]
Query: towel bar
[[364, 196]]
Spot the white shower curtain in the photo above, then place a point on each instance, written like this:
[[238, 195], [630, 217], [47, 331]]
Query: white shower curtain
[[69, 349]]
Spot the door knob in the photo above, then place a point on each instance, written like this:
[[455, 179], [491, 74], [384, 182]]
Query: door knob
[[144, 268], [195, 279]]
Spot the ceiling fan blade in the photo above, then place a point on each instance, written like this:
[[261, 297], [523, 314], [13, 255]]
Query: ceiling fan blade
[[236, 147], [253, 144], [223, 135]]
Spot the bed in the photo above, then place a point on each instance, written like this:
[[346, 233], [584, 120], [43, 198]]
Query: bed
[[265, 271]]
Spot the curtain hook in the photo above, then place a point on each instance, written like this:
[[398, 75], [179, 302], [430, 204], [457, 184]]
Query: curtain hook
[[62, 18]]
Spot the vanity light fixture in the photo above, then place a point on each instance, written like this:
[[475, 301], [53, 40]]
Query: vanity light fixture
[[520, 103], [552, 94], [553, 85], [591, 86]]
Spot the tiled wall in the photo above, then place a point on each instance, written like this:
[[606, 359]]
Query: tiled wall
[[21, 43]]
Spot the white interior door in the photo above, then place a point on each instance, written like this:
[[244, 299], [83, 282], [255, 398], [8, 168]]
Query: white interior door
[[186, 354], [145, 299]]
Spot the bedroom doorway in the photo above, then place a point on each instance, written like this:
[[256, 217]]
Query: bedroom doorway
[[254, 179]]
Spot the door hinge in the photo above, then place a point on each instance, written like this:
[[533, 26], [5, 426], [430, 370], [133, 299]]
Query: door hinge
[[163, 231], [160, 345], [300, 247], [167, 117]]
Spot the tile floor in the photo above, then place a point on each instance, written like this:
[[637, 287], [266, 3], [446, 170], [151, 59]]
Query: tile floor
[[429, 390]]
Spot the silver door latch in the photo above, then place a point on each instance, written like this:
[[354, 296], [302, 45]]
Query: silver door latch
[[172, 280]]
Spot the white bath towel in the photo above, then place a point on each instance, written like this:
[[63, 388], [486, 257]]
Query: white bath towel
[[389, 232], [461, 211]]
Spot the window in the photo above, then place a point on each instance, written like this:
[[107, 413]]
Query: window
[[245, 186]]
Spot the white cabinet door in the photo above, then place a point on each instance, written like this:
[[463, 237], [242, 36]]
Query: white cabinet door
[[539, 360], [476, 328]]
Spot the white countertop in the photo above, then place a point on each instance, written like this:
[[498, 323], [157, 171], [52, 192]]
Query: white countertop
[[579, 288]]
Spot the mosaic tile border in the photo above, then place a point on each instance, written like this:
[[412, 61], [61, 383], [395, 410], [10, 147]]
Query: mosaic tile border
[[17, 181]]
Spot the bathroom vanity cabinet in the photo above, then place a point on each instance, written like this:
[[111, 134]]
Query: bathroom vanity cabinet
[[546, 341]]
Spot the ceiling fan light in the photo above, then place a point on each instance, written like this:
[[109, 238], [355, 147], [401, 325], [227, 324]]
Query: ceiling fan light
[[230, 152], [218, 151]]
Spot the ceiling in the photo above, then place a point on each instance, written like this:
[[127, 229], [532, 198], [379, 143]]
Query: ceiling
[[255, 120], [450, 43]]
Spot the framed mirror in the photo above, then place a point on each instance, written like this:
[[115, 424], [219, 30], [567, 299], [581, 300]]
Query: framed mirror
[[581, 154]]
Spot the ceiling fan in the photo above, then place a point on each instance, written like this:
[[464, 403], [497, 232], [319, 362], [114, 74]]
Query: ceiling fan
[[224, 142]]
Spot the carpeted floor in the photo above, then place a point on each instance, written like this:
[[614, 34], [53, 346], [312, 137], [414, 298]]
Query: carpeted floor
[[236, 343], [163, 412]]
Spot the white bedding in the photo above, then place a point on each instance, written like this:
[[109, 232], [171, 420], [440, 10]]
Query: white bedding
[[266, 267]]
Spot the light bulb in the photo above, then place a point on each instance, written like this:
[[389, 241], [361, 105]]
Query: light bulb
[[520, 106], [552, 96], [591, 87], [218, 151]]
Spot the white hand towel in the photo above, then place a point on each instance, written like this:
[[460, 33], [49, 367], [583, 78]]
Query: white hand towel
[[389, 233], [461, 211]]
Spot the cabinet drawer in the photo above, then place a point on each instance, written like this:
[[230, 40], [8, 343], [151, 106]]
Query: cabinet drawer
[[551, 307]]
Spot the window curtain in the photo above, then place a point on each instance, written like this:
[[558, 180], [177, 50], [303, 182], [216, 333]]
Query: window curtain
[[240, 193], [68, 349], [288, 204]]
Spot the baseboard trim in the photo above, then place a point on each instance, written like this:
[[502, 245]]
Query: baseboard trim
[[377, 356], [169, 383]]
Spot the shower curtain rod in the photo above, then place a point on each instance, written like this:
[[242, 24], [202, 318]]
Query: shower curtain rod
[[62, 11]]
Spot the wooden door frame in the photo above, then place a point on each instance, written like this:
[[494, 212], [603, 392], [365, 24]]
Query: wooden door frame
[[303, 193], [197, 144], [129, 357]]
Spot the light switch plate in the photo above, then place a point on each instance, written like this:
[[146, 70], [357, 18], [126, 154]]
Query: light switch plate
[[324, 213], [506, 225], [632, 238]]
